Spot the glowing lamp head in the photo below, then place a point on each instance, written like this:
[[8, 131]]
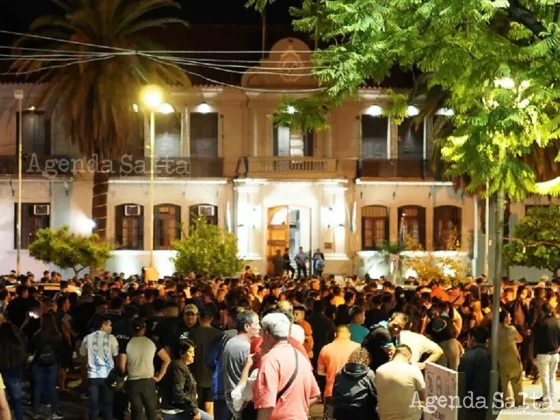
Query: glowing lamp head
[[204, 108], [152, 96], [290, 109]]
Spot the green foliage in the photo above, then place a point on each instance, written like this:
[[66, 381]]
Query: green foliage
[[69, 250], [536, 240], [305, 114], [106, 86], [207, 249]]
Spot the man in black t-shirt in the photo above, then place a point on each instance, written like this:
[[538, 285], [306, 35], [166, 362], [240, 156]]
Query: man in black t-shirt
[[443, 331]]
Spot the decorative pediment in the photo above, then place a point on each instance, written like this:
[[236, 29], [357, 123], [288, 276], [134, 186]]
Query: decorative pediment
[[288, 66]]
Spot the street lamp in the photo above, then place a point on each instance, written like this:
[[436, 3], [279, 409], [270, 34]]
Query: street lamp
[[18, 94], [152, 97]]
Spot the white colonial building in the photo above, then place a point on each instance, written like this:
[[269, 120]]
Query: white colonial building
[[344, 191]]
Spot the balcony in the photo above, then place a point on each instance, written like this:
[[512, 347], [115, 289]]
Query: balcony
[[389, 169], [188, 167], [288, 167], [47, 166]]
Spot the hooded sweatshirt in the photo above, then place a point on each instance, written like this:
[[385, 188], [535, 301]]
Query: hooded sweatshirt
[[354, 389]]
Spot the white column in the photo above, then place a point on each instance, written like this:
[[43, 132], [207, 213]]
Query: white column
[[335, 221], [249, 222]]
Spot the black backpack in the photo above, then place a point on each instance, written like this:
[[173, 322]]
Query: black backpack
[[46, 355]]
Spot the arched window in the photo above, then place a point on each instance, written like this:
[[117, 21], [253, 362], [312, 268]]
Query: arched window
[[207, 210], [412, 226], [447, 228], [129, 226], [167, 225], [375, 227]]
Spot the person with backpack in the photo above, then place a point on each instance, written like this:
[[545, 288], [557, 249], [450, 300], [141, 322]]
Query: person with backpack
[[46, 346]]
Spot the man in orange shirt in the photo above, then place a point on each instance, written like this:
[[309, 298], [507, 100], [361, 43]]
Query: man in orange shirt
[[299, 319], [331, 360]]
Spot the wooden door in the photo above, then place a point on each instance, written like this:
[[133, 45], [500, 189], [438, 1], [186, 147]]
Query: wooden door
[[278, 233]]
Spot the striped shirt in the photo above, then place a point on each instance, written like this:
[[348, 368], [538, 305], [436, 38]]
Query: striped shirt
[[101, 348]]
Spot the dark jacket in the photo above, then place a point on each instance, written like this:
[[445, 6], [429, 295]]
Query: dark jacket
[[375, 342], [354, 392], [547, 335], [179, 389], [213, 359], [475, 364]]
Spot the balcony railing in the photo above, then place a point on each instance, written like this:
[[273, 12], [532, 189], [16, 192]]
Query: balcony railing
[[397, 169], [47, 166], [287, 166], [187, 167]]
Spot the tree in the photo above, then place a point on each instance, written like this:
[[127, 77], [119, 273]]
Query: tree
[[94, 92], [68, 250], [536, 240], [207, 249]]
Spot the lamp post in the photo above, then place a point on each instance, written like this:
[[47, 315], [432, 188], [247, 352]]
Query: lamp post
[[152, 97], [18, 94]]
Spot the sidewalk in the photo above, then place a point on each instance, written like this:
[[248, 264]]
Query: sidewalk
[[532, 410]]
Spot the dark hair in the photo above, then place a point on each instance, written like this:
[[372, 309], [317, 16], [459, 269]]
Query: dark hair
[[21, 289], [244, 318], [12, 349], [130, 311], [116, 303], [546, 308], [61, 301], [356, 310], [158, 304], [503, 315], [49, 328], [183, 347], [101, 321], [207, 312], [479, 334]]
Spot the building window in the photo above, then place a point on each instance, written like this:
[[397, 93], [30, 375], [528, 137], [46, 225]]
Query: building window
[[129, 226], [447, 228], [34, 216], [36, 133], [529, 207], [204, 135], [375, 130], [288, 142], [167, 225], [411, 140], [412, 226], [375, 227], [168, 135], [203, 210]]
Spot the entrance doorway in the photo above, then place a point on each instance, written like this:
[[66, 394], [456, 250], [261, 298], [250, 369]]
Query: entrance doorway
[[288, 227]]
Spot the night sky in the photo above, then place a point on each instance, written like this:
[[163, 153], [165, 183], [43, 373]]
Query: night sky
[[18, 14]]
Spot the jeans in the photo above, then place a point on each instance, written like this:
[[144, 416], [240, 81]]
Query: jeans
[[221, 410], [184, 416], [301, 269], [328, 409], [548, 365], [44, 382], [143, 398], [13, 392], [101, 399]]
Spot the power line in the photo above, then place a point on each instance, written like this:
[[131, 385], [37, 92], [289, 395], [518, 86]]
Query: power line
[[55, 66], [215, 82]]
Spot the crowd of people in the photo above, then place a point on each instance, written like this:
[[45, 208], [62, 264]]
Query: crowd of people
[[190, 347]]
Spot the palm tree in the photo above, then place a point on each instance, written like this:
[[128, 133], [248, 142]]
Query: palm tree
[[94, 98]]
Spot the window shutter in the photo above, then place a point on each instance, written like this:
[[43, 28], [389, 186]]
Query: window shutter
[[178, 229], [119, 214], [308, 144], [47, 145], [387, 226], [140, 230], [157, 228], [422, 226], [275, 141]]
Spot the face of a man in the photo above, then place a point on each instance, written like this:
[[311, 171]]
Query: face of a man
[[254, 328], [396, 325], [299, 315]]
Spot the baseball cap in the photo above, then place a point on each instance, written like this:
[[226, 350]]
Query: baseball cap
[[138, 324], [191, 308]]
